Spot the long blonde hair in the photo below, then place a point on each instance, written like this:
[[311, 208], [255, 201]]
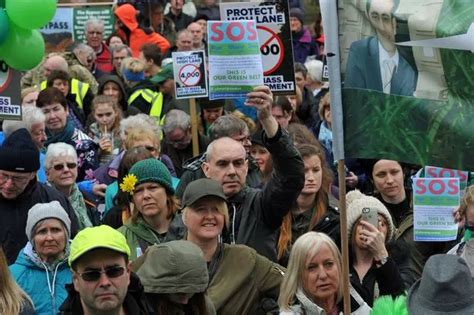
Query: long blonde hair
[[12, 298], [305, 248]]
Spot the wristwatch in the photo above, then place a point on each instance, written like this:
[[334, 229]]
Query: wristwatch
[[381, 262]]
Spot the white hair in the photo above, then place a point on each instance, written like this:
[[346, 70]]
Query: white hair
[[315, 70], [56, 150], [139, 121], [175, 119], [94, 22], [30, 116]]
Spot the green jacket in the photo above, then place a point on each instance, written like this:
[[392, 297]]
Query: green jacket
[[140, 235], [242, 279]]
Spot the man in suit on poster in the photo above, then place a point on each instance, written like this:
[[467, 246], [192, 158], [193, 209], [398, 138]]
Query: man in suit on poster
[[375, 63]]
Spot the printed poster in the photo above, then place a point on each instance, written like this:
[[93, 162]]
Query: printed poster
[[190, 75], [235, 64], [434, 200], [274, 37]]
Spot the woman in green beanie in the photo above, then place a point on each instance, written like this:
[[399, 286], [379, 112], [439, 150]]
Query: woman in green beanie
[[153, 205]]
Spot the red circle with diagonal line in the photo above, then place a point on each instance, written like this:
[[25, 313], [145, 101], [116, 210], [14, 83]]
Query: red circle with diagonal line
[[189, 75], [5, 77], [271, 48]]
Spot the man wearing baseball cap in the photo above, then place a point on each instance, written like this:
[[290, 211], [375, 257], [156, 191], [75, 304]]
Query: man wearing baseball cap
[[102, 280]]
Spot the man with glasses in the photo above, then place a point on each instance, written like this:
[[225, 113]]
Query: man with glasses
[[102, 280], [19, 191], [94, 31]]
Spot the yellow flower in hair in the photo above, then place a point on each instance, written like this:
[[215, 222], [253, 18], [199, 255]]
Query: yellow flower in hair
[[128, 184]]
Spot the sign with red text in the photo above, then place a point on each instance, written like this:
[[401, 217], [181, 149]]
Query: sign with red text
[[189, 69], [436, 172], [10, 99], [235, 65], [434, 200], [274, 37]]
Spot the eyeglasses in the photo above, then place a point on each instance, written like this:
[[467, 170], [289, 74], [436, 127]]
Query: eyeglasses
[[94, 275], [94, 33], [60, 167], [15, 179]]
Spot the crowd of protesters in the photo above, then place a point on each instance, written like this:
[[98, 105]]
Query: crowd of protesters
[[106, 209]]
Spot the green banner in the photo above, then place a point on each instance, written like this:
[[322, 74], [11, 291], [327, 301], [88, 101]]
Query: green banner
[[81, 15], [412, 101]]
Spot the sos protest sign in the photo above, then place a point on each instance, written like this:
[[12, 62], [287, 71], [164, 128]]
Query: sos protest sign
[[10, 98], [235, 65], [274, 36], [433, 202], [436, 172], [189, 68]]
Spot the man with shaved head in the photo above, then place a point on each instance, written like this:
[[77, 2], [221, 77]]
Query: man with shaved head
[[198, 36], [255, 215]]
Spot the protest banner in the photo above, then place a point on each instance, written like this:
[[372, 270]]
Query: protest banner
[[434, 200], [235, 65], [67, 25], [416, 106], [439, 172], [190, 75], [274, 37], [10, 98]]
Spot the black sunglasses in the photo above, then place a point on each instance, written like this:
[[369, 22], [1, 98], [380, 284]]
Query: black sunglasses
[[94, 275], [60, 167]]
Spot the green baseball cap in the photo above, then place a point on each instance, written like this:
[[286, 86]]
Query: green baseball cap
[[201, 188], [97, 237], [166, 73]]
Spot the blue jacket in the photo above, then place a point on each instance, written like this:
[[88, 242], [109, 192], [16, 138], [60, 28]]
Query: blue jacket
[[46, 287]]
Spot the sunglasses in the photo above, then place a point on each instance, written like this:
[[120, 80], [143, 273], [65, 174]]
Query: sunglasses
[[60, 167], [94, 275]]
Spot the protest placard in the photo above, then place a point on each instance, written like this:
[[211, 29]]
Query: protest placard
[[10, 98], [274, 37], [433, 202], [190, 76], [235, 65], [439, 172]]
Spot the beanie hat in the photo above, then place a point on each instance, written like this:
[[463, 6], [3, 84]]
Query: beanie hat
[[42, 211], [18, 153], [102, 236], [173, 267], [297, 13], [356, 201], [152, 170]]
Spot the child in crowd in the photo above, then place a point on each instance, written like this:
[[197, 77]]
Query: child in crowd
[[105, 128]]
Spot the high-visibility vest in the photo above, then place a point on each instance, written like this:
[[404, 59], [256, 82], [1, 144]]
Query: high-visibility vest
[[76, 87], [152, 97]]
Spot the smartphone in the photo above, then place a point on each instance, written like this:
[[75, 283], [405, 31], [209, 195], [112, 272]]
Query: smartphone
[[370, 215]]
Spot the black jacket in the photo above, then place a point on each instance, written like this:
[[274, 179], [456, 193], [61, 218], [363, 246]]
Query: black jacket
[[14, 213], [135, 301], [256, 215]]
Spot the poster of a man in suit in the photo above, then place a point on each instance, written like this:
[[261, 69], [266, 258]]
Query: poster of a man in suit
[[375, 62]]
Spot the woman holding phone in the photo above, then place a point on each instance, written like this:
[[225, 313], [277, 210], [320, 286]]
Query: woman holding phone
[[372, 271]]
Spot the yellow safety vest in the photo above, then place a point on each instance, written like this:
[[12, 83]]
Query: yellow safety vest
[[77, 87], [152, 97]]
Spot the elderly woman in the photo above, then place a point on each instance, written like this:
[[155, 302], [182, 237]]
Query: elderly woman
[[239, 278], [154, 219], [61, 169], [372, 271], [175, 278], [313, 281], [41, 268], [61, 129]]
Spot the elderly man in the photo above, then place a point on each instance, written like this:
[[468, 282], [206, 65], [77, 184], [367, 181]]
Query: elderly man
[[198, 36], [177, 141], [256, 215], [102, 279], [184, 42], [19, 191], [374, 63], [94, 30], [225, 126]]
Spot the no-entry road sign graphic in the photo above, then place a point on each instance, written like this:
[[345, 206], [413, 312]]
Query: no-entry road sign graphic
[[189, 70]]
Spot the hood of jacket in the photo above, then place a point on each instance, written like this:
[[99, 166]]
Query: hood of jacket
[[127, 15], [111, 78], [30, 259], [142, 230]]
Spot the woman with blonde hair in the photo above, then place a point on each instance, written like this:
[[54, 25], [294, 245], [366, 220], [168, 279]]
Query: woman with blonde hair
[[154, 218], [13, 300], [313, 281]]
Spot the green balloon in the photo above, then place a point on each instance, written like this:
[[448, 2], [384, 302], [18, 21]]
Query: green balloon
[[30, 14], [23, 49]]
